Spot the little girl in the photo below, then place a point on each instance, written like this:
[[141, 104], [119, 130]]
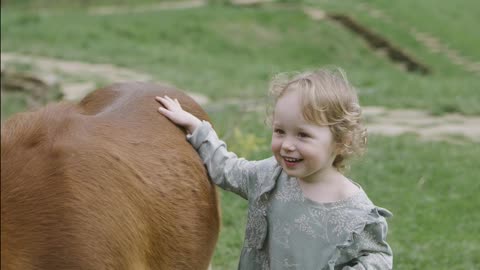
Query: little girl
[[303, 213]]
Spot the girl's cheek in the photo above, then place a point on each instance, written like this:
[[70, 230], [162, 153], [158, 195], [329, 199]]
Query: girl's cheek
[[275, 146]]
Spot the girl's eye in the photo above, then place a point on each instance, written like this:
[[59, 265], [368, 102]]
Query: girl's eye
[[303, 135], [278, 131]]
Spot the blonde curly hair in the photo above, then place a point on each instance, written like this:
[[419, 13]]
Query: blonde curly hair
[[328, 99]]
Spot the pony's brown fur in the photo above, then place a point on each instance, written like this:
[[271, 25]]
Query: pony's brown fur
[[108, 183]]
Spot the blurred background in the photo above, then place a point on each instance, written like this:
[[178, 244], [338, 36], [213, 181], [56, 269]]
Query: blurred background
[[416, 65]]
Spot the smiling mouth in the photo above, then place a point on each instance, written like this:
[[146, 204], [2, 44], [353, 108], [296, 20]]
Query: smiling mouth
[[292, 161]]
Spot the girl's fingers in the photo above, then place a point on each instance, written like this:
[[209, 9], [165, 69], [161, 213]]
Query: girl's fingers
[[169, 103], [173, 102], [158, 99], [169, 99], [162, 101], [164, 111]]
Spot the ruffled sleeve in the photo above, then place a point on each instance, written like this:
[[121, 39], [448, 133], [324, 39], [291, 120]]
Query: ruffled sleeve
[[369, 248]]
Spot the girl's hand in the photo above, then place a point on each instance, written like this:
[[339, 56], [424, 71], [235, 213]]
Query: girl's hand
[[173, 111]]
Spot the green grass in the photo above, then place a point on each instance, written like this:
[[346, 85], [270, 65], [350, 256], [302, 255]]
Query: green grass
[[452, 22], [58, 5], [211, 50], [435, 217], [455, 19], [229, 52]]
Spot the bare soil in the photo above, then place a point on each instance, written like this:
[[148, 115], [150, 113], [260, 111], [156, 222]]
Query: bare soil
[[454, 128], [108, 10]]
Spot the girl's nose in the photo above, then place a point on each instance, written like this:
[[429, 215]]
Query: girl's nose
[[288, 145]]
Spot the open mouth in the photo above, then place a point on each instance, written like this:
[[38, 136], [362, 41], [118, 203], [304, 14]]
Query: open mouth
[[290, 162]]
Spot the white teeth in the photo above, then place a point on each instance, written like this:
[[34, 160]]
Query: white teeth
[[292, 159]]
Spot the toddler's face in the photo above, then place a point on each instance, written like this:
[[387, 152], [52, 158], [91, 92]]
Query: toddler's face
[[304, 150]]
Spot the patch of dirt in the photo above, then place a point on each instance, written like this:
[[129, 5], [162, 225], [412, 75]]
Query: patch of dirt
[[77, 79], [108, 10], [453, 128], [51, 65], [35, 90], [315, 14], [250, 2], [450, 127]]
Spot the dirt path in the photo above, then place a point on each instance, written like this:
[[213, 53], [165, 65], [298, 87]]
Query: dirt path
[[453, 128], [76, 79], [450, 127], [108, 10]]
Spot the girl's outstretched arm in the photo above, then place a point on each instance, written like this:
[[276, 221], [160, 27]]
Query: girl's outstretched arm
[[225, 168]]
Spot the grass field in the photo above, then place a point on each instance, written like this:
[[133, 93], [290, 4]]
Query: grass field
[[226, 52]]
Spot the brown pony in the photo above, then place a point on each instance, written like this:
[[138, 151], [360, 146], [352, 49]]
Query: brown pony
[[108, 183]]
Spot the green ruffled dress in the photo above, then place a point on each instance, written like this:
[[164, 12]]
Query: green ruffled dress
[[286, 230]]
